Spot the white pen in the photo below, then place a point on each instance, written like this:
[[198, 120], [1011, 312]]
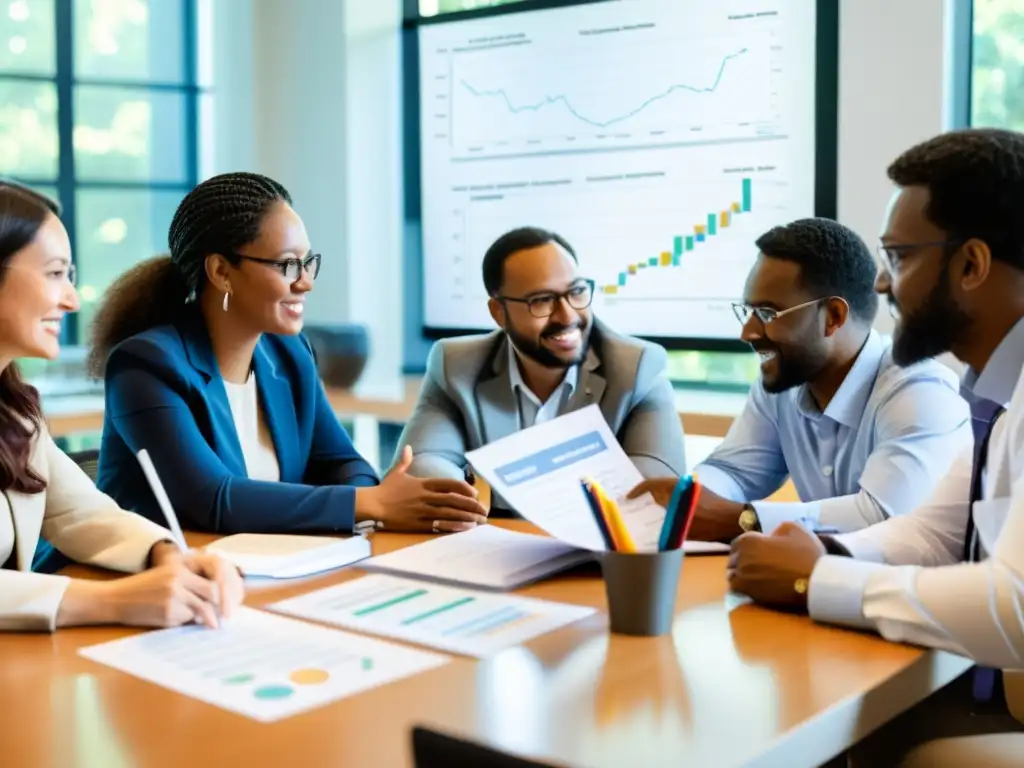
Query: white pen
[[161, 498]]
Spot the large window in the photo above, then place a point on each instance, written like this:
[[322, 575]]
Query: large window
[[997, 53], [98, 108]]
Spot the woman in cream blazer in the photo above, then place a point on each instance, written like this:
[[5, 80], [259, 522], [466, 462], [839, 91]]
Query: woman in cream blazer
[[45, 492]]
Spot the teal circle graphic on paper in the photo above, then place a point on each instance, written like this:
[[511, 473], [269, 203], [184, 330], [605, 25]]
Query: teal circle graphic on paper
[[273, 692], [239, 679]]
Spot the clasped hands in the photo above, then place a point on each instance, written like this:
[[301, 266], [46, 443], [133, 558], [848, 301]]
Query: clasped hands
[[772, 569], [406, 503]]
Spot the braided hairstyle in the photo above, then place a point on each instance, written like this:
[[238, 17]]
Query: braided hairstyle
[[220, 216]]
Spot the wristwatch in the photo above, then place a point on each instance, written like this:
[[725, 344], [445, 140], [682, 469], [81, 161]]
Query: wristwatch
[[749, 520]]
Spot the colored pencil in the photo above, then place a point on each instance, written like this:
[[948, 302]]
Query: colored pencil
[[595, 509], [620, 533]]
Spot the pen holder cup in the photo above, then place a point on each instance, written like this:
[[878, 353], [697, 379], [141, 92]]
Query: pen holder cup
[[641, 589]]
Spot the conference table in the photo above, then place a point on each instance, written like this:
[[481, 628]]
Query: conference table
[[732, 685]]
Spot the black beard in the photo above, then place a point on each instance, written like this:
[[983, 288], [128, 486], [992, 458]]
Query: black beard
[[544, 356], [932, 329]]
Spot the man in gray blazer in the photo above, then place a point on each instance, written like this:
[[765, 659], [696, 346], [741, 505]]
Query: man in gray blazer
[[550, 356]]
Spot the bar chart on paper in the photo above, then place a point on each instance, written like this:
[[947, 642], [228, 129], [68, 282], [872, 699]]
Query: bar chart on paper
[[457, 620]]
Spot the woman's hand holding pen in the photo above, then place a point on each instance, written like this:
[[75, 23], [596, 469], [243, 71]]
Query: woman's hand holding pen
[[178, 589], [406, 503]]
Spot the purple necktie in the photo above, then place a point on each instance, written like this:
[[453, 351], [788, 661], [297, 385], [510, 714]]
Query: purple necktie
[[984, 414]]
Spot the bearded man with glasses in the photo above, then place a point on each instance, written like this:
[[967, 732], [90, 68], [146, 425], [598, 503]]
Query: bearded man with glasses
[[549, 356], [862, 438]]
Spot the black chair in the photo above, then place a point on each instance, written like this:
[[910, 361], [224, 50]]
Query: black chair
[[47, 559], [432, 749]]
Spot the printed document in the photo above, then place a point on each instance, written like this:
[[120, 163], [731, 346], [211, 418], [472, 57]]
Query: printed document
[[467, 622], [262, 666], [538, 471], [486, 557]]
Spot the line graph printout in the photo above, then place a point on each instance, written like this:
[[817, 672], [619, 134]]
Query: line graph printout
[[659, 138]]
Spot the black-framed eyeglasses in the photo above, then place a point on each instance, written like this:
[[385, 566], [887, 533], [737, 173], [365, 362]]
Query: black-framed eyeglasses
[[767, 315], [290, 269], [544, 304], [892, 255]]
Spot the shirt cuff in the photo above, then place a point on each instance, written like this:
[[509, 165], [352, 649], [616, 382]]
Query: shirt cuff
[[772, 514], [835, 594], [861, 544]]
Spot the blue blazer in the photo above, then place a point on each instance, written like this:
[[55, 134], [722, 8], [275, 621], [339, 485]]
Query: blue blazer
[[164, 393]]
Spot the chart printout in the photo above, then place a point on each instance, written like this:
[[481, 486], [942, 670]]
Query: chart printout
[[462, 621], [263, 666]]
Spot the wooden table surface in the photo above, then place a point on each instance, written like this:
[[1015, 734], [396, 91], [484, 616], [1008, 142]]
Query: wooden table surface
[[732, 685]]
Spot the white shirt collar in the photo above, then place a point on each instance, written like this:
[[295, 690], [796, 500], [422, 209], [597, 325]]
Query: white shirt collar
[[516, 377]]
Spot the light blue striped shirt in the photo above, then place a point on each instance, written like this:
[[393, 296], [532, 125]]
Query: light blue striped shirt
[[879, 448]]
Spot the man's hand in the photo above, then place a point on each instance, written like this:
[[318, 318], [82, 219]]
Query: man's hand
[[775, 570], [715, 519]]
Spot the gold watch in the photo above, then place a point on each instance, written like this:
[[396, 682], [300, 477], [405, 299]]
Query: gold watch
[[749, 520]]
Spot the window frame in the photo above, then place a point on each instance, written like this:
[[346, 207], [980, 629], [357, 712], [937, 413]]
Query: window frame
[[64, 78], [960, 63]]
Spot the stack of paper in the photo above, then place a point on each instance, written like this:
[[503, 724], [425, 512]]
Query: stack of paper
[[486, 557], [280, 556]]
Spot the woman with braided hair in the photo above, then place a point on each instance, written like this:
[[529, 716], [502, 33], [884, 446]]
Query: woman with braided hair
[[206, 369]]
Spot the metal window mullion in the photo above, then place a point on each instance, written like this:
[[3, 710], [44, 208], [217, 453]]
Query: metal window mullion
[[64, 22]]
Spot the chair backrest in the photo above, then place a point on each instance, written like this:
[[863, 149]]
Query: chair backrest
[[431, 749], [88, 461]]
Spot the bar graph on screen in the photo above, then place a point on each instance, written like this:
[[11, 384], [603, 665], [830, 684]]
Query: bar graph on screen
[[684, 244]]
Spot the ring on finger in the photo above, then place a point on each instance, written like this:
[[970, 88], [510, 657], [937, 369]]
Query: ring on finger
[[436, 526]]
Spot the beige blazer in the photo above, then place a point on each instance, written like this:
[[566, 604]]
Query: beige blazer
[[79, 520]]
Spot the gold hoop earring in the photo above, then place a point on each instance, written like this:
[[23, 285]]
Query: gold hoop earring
[[227, 295]]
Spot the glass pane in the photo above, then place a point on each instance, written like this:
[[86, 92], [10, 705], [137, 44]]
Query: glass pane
[[116, 229], [27, 37], [997, 79], [434, 7], [129, 134], [28, 129], [137, 40], [723, 369]]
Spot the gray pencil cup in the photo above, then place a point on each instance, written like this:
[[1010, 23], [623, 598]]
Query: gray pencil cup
[[641, 590]]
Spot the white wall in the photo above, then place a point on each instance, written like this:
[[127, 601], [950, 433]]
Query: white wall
[[323, 81], [891, 96]]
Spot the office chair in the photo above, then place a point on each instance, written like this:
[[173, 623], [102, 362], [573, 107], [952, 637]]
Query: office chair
[[431, 749], [47, 559]]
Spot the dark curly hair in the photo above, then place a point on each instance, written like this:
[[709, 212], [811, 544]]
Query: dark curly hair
[[833, 261], [516, 240], [975, 181], [221, 215], [22, 213]]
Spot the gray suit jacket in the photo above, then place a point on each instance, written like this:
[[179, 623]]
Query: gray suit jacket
[[467, 401]]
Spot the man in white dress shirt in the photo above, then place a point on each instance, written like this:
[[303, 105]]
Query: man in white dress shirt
[[949, 575]]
